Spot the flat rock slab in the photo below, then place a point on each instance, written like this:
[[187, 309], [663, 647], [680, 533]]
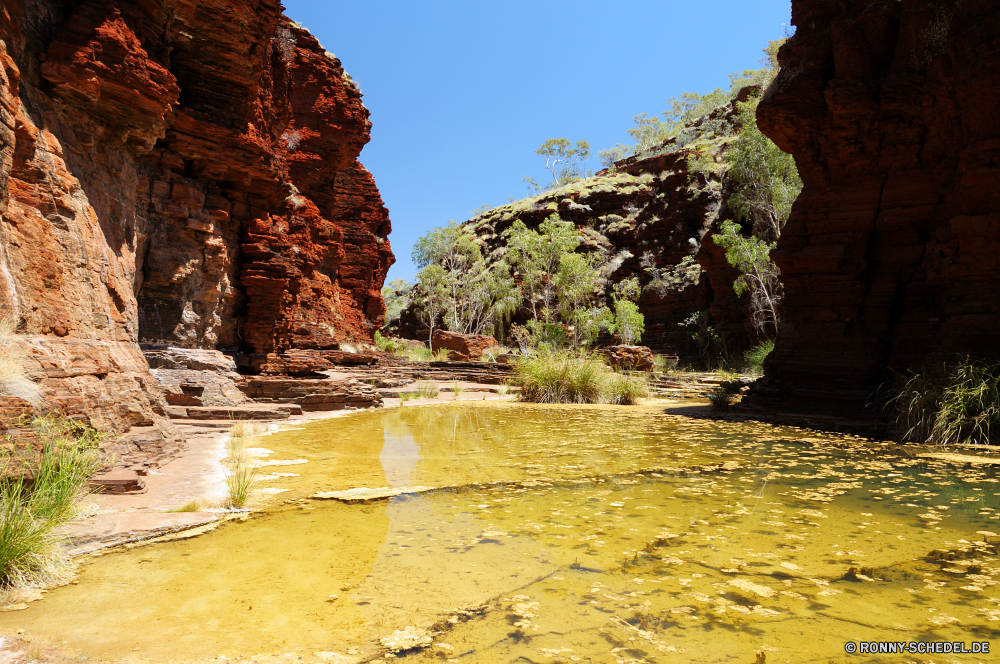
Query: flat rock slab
[[364, 494], [117, 480], [276, 412], [120, 527]]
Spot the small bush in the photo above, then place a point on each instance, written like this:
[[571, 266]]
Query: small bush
[[457, 389], [720, 398], [441, 355], [428, 391], [245, 429], [43, 495], [949, 404], [753, 359], [565, 378], [391, 346], [189, 506], [626, 390], [418, 354]]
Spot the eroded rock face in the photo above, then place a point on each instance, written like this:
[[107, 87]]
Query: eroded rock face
[[657, 207], [462, 347], [181, 173], [892, 252], [634, 358]]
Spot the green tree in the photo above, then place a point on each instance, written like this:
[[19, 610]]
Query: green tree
[[564, 161], [629, 323], [434, 291], [474, 297], [758, 274], [766, 181], [536, 256], [578, 283], [397, 295]]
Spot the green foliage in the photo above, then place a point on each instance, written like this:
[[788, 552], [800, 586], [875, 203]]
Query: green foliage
[[628, 323], [753, 359], [766, 181], [712, 346], [397, 295], [650, 133], [458, 285], [720, 398], [537, 256], [662, 281], [562, 377], [949, 404], [564, 161], [42, 494], [758, 274], [391, 346]]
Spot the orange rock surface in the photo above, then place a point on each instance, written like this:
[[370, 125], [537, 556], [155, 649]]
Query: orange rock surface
[[183, 173]]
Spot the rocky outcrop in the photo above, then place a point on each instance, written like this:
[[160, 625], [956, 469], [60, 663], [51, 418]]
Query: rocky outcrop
[[892, 252], [178, 173], [633, 358], [655, 206], [462, 347]]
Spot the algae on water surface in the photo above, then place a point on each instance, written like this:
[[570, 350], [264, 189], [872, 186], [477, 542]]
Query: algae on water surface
[[550, 546]]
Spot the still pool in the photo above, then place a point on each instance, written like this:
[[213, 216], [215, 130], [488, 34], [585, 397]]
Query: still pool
[[559, 534]]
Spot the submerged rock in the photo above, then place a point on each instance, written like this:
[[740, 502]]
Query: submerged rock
[[408, 638]]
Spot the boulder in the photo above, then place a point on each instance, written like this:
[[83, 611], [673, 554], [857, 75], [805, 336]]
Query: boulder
[[633, 358], [462, 347], [192, 359]]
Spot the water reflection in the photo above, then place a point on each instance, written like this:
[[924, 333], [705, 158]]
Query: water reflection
[[564, 534]]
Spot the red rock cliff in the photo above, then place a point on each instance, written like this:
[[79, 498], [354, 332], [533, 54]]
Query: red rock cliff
[[180, 172], [892, 253]]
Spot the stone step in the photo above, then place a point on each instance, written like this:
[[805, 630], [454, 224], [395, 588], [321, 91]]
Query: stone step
[[117, 480]]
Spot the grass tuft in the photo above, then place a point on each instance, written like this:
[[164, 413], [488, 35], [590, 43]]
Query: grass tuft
[[753, 359], [566, 378], [245, 429], [457, 389], [189, 506], [41, 495], [720, 398], [949, 404]]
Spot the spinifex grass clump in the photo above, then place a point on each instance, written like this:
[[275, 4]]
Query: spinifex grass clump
[[949, 404], [241, 475], [753, 359], [566, 378], [39, 493], [720, 398]]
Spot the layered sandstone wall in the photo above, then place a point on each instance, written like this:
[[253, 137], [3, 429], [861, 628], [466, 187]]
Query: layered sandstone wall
[[891, 257], [182, 173]]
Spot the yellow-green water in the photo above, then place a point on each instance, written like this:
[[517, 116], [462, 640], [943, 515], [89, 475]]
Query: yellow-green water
[[622, 535]]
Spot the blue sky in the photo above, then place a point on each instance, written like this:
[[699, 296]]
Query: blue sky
[[463, 92]]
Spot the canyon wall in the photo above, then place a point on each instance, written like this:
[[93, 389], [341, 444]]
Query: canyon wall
[[178, 173], [891, 257]]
